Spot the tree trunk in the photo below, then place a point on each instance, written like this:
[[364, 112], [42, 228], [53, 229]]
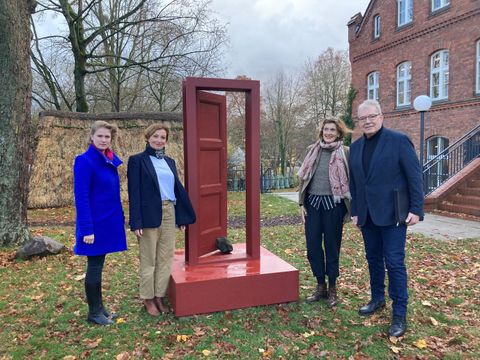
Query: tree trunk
[[15, 121]]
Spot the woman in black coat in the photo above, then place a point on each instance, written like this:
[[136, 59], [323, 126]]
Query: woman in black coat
[[158, 203]]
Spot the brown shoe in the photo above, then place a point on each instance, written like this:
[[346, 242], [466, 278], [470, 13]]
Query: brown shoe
[[150, 307], [160, 305], [332, 299], [320, 293]]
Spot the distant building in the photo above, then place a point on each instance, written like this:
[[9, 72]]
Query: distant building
[[400, 49]]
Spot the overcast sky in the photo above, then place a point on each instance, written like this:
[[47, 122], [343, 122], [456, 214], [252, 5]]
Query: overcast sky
[[268, 35]]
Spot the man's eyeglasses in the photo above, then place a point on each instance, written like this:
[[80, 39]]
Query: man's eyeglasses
[[363, 119]]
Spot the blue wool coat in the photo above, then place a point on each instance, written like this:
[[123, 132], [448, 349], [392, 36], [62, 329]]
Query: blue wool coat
[[98, 205]]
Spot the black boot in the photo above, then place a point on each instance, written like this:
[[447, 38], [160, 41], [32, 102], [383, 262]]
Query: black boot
[[332, 299], [398, 326], [95, 311], [105, 312], [320, 293]]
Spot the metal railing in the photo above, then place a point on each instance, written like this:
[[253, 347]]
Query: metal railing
[[268, 181], [451, 160]]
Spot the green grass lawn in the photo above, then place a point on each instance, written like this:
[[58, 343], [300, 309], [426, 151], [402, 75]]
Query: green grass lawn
[[42, 307]]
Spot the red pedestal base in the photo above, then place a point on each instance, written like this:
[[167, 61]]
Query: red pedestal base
[[225, 282]]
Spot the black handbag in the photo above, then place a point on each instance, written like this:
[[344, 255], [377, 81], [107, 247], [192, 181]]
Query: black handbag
[[224, 245]]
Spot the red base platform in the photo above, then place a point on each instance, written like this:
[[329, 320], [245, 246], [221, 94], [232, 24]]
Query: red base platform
[[226, 282]]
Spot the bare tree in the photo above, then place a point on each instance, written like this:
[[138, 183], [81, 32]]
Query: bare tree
[[15, 119], [283, 108], [327, 81], [129, 46]]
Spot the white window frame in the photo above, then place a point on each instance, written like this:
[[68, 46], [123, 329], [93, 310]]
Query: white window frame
[[478, 68], [441, 4], [443, 75], [405, 8], [404, 80], [373, 86], [376, 26]]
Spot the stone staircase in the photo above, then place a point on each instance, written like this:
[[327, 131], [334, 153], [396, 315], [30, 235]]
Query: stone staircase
[[465, 199]]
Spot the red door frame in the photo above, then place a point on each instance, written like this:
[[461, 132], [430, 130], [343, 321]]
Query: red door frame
[[251, 88]]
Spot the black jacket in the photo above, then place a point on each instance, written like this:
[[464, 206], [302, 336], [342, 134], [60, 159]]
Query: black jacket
[[145, 202]]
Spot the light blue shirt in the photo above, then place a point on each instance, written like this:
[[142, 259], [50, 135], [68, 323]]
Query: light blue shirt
[[165, 179]]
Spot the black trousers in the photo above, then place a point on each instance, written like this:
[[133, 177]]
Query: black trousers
[[323, 232]]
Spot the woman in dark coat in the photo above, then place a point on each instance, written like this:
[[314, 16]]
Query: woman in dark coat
[[324, 197], [158, 203], [99, 215]]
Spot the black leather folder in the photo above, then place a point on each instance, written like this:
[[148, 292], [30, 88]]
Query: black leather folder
[[402, 205]]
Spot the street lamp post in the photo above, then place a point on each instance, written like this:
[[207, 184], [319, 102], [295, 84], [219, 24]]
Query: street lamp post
[[422, 103]]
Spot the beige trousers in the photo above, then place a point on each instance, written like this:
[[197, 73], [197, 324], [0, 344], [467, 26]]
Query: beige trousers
[[157, 246]]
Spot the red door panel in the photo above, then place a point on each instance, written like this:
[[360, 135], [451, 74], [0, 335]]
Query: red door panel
[[212, 170]]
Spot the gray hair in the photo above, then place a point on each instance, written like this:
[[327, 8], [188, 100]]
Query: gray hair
[[370, 103]]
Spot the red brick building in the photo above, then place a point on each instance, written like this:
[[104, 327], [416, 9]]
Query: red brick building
[[400, 49]]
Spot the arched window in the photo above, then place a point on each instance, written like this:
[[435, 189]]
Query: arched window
[[404, 12], [439, 75], [376, 27], [372, 85], [404, 78]]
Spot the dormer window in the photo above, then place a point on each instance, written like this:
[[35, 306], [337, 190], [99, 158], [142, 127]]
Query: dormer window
[[404, 12], [376, 26]]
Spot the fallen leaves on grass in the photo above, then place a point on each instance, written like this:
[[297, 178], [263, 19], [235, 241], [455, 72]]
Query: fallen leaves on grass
[[92, 344], [421, 344]]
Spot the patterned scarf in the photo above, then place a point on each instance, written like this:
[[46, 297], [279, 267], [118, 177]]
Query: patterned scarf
[[159, 154], [336, 168]]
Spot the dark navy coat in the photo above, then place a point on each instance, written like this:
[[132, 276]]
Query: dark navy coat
[[98, 205], [394, 165], [144, 194]]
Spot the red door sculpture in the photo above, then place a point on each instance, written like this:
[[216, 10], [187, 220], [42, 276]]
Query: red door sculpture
[[204, 280], [212, 170]]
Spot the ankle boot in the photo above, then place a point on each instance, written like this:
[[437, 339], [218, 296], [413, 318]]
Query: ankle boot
[[95, 312], [320, 293], [151, 307], [105, 312], [332, 299], [160, 305]]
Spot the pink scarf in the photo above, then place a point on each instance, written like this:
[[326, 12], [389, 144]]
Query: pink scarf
[[336, 168]]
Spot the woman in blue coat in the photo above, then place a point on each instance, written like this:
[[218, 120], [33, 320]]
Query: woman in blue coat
[[158, 203], [99, 215]]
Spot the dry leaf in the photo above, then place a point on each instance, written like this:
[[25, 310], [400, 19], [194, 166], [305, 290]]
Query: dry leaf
[[395, 349], [69, 357], [393, 339], [308, 334], [426, 303], [206, 352], [79, 277], [433, 321], [93, 344], [288, 251], [421, 344], [182, 338], [123, 356], [120, 320]]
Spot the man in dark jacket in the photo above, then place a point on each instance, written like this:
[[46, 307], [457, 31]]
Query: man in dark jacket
[[383, 166]]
